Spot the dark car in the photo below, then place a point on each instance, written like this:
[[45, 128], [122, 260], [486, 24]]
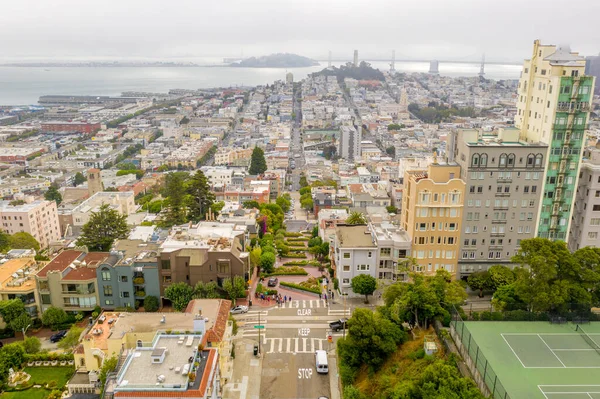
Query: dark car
[[273, 282], [338, 324], [58, 336]]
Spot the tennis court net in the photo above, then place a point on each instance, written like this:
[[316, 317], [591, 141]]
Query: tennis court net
[[587, 338]]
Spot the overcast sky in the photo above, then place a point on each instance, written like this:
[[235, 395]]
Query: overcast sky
[[182, 29]]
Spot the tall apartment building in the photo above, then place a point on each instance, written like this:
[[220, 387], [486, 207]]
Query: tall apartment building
[[349, 143], [432, 212], [504, 180], [585, 224], [553, 106], [38, 218]]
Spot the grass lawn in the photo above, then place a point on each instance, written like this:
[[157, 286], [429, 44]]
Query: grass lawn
[[42, 376]]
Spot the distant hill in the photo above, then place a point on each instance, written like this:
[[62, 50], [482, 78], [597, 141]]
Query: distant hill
[[363, 71], [279, 60]]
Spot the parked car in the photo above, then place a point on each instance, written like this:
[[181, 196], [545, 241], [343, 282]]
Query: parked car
[[273, 282], [338, 324], [58, 336], [239, 309]]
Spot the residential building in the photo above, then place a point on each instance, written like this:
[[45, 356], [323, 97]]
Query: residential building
[[94, 181], [432, 206], [208, 251], [70, 127], [349, 143], [393, 250], [328, 221], [504, 180], [70, 281], [354, 253], [121, 201], [553, 107], [218, 176], [17, 281], [38, 218], [585, 224]]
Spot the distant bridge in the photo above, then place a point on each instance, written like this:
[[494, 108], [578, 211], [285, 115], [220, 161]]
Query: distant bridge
[[427, 61]]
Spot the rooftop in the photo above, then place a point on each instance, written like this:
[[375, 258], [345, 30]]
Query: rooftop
[[82, 263], [354, 236], [18, 275]]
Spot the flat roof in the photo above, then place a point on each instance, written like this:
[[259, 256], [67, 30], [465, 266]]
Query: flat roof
[[354, 236], [18, 275]]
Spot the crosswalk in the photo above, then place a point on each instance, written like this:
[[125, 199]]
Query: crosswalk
[[294, 345], [305, 304]]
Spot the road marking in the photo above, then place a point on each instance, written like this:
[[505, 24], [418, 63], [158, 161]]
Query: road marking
[[303, 344], [288, 344], [550, 349], [303, 303]]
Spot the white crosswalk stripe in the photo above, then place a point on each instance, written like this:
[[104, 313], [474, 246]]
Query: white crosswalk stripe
[[294, 345], [306, 304], [339, 312]]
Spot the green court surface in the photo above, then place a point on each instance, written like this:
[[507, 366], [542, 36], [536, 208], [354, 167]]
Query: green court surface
[[537, 360]]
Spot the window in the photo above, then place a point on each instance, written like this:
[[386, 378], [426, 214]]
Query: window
[[346, 281], [165, 264], [369, 254], [223, 266], [596, 208], [166, 279], [108, 291], [386, 251], [362, 268], [595, 222], [105, 274], [346, 268], [123, 279], [346, 255], [109, 302], [593, 234], [125, 294]]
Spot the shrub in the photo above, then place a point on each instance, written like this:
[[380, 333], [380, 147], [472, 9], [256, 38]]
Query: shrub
[[302, 263], [289, 234], [151, 303], [418, 354], [299, 287], [287, 271], [296, 255]]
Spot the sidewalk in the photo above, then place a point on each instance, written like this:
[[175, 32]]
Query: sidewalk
[[247, 370]]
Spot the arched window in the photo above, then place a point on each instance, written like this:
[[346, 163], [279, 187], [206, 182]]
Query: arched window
[[530, 160], [503, 158], [538, 160], [139, 343], [511, 160], [475, 160], [483, 160]]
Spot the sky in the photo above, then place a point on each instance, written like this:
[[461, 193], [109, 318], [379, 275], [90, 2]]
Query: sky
[[460, 30]]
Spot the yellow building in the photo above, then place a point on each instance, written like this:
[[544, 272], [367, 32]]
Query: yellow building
[[432, 207], [17, 281]]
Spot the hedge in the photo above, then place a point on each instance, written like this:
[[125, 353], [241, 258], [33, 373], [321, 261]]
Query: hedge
[[299, 287], [286, 271], [302, 263], [298, 249], [299, 239], [292, 255], [48, 357], [288, 234]]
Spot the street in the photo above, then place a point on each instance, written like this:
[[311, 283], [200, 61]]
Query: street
[[291, 335]]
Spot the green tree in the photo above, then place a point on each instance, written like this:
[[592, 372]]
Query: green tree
[[79, 179], [104, 227], [208, 290], [255, 256], [54, 317], [307, 203], [32, 345], [442, 379], [356, 218], [235, 288], [330, 152], [151, 303], [21, 322], [53, 195], [4, 241], [391, 209], [180, 294], [500, 276], [250, 205], [71, 339], [267, 261], [394, 126], [11, 309], [201, 197], [303, 182], [108, 365], [217, 207], [364, 284], [480, 281], [176, 197], [258, 164], [391, 151], [505, 298], [284, 203], [23, 240]]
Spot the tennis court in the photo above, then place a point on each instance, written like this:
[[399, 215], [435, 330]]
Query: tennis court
[[539, 359]]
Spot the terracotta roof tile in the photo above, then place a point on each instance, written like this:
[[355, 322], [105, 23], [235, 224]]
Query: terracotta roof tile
[[62, 261]]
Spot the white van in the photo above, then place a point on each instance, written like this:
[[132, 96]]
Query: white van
[[321, 362]]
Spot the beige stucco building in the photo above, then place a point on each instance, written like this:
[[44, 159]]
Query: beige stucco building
[[38, 218], [432, 208]]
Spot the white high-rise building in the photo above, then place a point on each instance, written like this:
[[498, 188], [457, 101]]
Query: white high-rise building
[[349, 143]]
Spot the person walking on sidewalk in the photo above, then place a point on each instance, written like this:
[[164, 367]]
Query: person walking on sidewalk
[[319, 295]]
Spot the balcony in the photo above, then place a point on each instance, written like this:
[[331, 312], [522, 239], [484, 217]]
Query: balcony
[[504, 180], [501, 208], [78, 292], [495, 247], [502, 194], [498, 221]]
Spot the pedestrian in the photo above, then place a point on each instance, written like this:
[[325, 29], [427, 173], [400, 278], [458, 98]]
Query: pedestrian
[[319, 295], [290, 298], [332, 295], [325, 297], [285, 298]]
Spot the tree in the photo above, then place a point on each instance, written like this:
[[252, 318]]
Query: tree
[[442, 379], [53, 195], [206, 290], [31, 345], [176, 195], [71, 339], [79, 179], [303, 182], [4, 241], [23, 240], [258, 164], [108, 365], [391, 209], [394, 126], [307, 202], [356, 218], [255, 256], [305, 190], [330, 152], [21, 322], [235, 289], [104, 227], [364, 284], [391, 151], [217, 207], [251, 204], [480, 281], [54, 317], [11, 309], [500, 276], [201, 197], [284, 203], [180, 294], [267, 261]]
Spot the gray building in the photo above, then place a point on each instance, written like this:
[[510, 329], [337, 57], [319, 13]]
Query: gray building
[[135, 276], [504, 178], [349, 143], [585, 224]]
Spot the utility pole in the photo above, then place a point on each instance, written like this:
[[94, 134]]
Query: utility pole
[[259, 311], [344, 326]]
